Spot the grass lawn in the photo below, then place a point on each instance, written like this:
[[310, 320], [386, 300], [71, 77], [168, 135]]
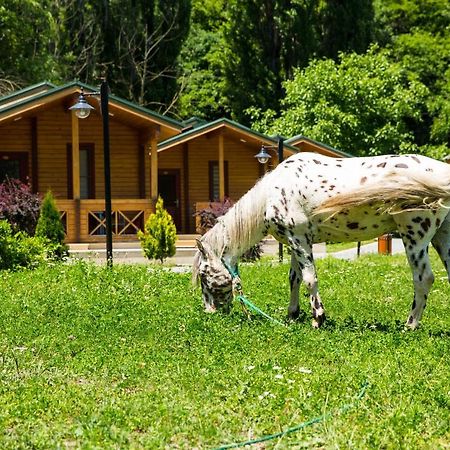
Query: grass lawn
[[91, 358]]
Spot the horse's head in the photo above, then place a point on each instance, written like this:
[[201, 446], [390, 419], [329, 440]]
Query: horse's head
[[215, 279]]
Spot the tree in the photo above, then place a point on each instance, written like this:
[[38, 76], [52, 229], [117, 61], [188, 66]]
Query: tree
[[202, 78], [345, 26], [159, 236], [27, 35], [362, 104], [50, 227], [286, 35], [137, 46], [417, 32], [261, 53]]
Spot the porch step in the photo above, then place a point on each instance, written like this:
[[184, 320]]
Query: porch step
[[185, 240]]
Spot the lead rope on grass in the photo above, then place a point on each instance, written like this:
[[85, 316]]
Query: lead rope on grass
[[238, 294], [300, 426]]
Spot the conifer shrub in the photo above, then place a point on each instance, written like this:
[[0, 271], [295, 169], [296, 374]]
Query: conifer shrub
[[159, 235], [19, 206], [50, 227]]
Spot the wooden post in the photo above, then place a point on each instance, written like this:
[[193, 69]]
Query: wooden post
[[154, 165], [76, 174], [221, 169]]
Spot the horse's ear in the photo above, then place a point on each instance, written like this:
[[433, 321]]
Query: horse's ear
[[201, 248]]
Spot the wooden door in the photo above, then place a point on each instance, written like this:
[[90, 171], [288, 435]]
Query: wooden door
[[169, 190]]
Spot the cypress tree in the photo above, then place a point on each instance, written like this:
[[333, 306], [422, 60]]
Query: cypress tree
[[49, 226], [160, 234]]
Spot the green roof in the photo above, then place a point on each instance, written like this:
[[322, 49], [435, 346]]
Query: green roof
[[43, 87], [191, 133], [300, 137], [56, 89]]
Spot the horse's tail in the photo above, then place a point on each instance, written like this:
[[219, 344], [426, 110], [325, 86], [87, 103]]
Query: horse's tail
[[392, 195]]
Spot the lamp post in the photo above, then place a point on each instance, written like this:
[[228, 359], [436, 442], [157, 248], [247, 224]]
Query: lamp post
[[82, 110], [263, 157]]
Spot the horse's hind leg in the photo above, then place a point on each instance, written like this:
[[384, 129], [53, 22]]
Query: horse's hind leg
[[417, 228], [441, 242]]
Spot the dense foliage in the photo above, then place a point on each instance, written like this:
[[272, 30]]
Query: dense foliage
[[19, 249], [159, 235], [240, 59], [362, 104]]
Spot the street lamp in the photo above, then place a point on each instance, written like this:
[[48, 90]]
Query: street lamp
[[263, 157], [82, 110]]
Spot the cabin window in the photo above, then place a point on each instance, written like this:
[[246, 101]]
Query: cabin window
[[85, 174], [13, 165], [214, 184], [87, 171]]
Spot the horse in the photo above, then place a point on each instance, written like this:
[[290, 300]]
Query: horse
[[310, 198]]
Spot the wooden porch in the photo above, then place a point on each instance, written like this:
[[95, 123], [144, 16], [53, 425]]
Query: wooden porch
[[84, 220]]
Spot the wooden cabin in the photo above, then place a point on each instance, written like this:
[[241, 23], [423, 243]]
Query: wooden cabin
[[188, 164], [208, 163]]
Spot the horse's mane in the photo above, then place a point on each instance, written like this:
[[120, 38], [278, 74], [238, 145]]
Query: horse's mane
[[393, 195], [237, 230]]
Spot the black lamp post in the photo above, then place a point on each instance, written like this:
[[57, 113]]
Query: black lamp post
[[82, 110], [263, 157]]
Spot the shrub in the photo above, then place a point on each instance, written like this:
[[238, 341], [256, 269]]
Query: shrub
[[49, 226], [19, 206], [208, 218], [159, 236], [19, 249]]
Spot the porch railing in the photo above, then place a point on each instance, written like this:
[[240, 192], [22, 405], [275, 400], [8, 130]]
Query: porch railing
[[85, 220]]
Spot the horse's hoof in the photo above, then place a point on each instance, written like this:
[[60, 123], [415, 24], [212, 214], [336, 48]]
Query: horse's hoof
[[411, 326], [317, 322], [293, 315]]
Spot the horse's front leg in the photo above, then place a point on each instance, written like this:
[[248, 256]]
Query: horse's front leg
[[295, 279], [304, 258]]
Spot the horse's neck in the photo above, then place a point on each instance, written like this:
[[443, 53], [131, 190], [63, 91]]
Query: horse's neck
[[242, 227]]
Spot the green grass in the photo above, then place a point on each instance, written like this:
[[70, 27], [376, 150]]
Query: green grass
[[127, 359]]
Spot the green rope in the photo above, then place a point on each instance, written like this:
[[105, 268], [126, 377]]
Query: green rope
[[245, 301], [239, 295], [300, 426]]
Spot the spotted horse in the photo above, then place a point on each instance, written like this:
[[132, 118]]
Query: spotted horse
[[311, 198]]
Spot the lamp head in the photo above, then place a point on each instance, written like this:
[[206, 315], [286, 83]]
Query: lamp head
[[82, 108], [263, 156]]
